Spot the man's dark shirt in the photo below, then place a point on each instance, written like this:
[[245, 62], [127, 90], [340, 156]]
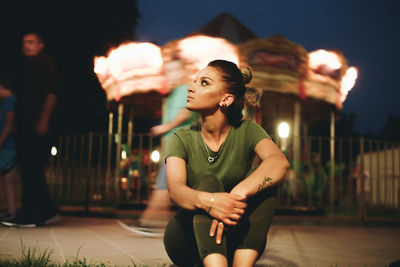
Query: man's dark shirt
[[37, 77]]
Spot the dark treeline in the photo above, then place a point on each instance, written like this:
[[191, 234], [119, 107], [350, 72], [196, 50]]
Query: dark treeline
[[74, 32]]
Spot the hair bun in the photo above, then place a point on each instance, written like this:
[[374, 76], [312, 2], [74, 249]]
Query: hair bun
[[252, 96], [247, 76]]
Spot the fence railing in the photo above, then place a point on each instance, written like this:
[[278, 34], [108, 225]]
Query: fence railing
[[92, 169], [364, 176]]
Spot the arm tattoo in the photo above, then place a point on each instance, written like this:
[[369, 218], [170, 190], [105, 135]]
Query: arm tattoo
[[265, 183]]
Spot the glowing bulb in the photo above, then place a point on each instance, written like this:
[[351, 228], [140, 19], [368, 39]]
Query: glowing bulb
[[283, 130], [348, 81], [123, 154], [323, 57], [53, 151], [155, 156]]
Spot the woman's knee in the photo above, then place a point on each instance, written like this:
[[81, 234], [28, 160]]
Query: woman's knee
[[179, 241]]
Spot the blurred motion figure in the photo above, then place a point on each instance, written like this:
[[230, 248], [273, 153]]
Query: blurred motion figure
[[174, 116], [36, 84], [7, 147]]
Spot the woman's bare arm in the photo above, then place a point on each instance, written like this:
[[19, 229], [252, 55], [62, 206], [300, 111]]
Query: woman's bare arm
[[271, 170]]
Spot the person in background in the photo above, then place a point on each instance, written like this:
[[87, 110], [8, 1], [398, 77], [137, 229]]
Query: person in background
[[36, 91], [7, 146], [226, 206], [174, 116]]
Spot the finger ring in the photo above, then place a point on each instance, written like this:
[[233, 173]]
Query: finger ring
[[221, 223]]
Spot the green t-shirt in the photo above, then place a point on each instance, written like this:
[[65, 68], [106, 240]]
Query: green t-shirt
[[235, 158]]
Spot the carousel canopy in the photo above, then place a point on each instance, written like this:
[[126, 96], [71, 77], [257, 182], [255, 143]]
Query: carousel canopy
[[279, 66], [228, 27]]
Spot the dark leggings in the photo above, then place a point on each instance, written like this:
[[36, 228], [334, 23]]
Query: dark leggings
[[187, 240]]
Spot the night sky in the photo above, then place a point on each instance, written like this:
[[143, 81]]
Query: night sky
[[366, 32]]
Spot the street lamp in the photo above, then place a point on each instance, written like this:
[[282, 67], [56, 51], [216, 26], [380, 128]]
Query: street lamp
[[283, 132]]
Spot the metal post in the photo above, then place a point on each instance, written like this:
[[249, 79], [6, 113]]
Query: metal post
[[130, 135], [361, 203], [81, 169], [370, 198], [130, 129], [332, 161], [59, 177], [118, 152], [393, 176], [309, 163], [75, 178], [67, 165], [296, 139], [340, 194], [385, 173], [109, 147], [378, 173], [320, 166], [398, 181], [99, 191], [350, 193], [89, 173]]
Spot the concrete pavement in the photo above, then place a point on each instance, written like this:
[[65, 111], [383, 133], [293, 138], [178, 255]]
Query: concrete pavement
[[105, 240]]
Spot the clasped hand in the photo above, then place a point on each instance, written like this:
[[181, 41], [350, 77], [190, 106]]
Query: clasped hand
[[227, 210]]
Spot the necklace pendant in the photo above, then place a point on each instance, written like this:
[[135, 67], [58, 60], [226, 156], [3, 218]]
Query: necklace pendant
[[210, 159]]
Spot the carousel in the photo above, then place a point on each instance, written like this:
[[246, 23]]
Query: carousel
[[299, 87]]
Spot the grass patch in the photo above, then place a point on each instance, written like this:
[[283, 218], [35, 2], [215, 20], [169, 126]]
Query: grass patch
[[37, 257]]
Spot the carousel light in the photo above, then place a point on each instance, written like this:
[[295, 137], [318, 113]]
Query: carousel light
[[137, 58], [323, 57], [155, 156], [123, 154], [348, 81], [100, 65], [129, 68], [283, 130], [200, 50], [53, 151]]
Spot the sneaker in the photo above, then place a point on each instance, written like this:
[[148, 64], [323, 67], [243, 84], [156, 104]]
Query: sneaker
[[6, 216], [19, 221], [136, 227], [48, 219]]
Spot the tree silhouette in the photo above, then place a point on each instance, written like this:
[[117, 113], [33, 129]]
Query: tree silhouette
[[74, 32], [391, 129]]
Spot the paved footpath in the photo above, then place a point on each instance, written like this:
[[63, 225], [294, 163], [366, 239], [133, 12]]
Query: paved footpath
[[102, 240]]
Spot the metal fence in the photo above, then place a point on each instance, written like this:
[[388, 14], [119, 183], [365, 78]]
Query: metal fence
[[364, 178], [101, 170]]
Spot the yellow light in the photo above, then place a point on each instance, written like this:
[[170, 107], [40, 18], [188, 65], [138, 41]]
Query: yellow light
[[348, 81], [124, 180], [130, 68], [199, 50], [100, 65], [123, 154], [323, 57], [283, 130], [53, 151], [135, 58], [155, 156]]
